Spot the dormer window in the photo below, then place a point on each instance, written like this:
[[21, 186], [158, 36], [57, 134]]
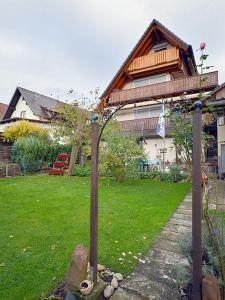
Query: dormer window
[[23, 114], [160, 47]]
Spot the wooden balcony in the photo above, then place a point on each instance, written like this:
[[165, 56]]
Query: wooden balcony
[[146, 126], [166, 89], [165, 58]]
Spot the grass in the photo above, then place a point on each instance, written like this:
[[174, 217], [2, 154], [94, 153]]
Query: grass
[[42, 218]]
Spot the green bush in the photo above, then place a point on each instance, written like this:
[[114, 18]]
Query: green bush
[[155, 174], [120, 155], [29, 152], [81, 171], [174, 175]]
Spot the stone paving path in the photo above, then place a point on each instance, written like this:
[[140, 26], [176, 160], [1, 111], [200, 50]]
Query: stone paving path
[[156, 278]]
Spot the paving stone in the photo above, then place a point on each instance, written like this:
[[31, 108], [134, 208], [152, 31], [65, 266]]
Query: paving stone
[[181, 222], [165, 244], [121, 294], [168, 257], [186, 206], [184, 211], [155, 289], [177, 228], [182, 216], [169, 235]]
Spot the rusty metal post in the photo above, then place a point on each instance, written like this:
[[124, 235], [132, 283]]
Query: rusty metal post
[[196, 204], [94, 201]]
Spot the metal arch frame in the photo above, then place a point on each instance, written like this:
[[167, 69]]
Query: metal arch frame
[[196, 195]]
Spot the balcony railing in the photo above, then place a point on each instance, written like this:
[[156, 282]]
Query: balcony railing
[[165, 89], [146, 125], [154, 59]]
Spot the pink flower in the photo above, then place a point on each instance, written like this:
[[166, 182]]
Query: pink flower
[[202, 45]]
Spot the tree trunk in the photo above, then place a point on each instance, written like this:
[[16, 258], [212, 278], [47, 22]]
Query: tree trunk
[[82, 159], [73, 158]]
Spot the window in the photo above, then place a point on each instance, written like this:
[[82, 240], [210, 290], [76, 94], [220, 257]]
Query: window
[[141, 82], [151, 80], [160, 47], [23, 114], [146, 112], [141, 113]]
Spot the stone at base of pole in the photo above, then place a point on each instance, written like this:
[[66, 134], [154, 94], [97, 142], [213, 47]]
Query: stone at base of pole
[[94, 295]]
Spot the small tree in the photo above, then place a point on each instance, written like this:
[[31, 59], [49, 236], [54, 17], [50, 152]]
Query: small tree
[[23, 129], [120, 154], [71, 125]]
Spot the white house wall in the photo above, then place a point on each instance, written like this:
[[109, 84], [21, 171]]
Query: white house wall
[[220, 138], [22, 106], [153, 146]]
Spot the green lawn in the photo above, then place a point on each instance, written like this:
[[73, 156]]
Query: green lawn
[[42, 218]]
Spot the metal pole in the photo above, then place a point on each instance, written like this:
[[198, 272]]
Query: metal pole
[[196, 204], [164, 143], [94, 201]]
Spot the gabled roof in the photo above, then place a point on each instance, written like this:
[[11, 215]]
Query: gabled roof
[[215, 91], [3, 109], [155, 26], [39, 104]]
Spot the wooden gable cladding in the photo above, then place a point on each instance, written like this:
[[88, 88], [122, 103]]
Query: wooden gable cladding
[[173, 60]]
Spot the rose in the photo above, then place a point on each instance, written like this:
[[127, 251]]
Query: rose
[[202, 45]]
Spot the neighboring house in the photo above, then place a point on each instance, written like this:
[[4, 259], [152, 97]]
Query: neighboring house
[[30, 106], [216, 99], [160, 68], [3, 108]]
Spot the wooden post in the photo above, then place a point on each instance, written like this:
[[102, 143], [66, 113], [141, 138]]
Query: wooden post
[[94, 201], [196, 204]]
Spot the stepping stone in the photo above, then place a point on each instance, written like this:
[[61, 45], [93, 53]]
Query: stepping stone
[[180, 222], [165, 244], [186, 206], [168, 257], [177, 228], [170, 235], [184, 211], [182, 216], [121, 294]]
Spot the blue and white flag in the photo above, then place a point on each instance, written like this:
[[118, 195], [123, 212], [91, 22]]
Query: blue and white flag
[[160, 130]]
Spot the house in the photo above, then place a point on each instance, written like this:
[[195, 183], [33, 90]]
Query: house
[[3, 108], [161, 68], [30, 106], [216, 100]]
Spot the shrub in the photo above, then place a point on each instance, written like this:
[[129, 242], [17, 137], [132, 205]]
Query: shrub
[[29, 152], [175, 173], [120, 154], [81, 171], [155, 174], [23, 129], [210, 261]]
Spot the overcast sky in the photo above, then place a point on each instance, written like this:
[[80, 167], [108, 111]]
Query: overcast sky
[[51, 46]]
